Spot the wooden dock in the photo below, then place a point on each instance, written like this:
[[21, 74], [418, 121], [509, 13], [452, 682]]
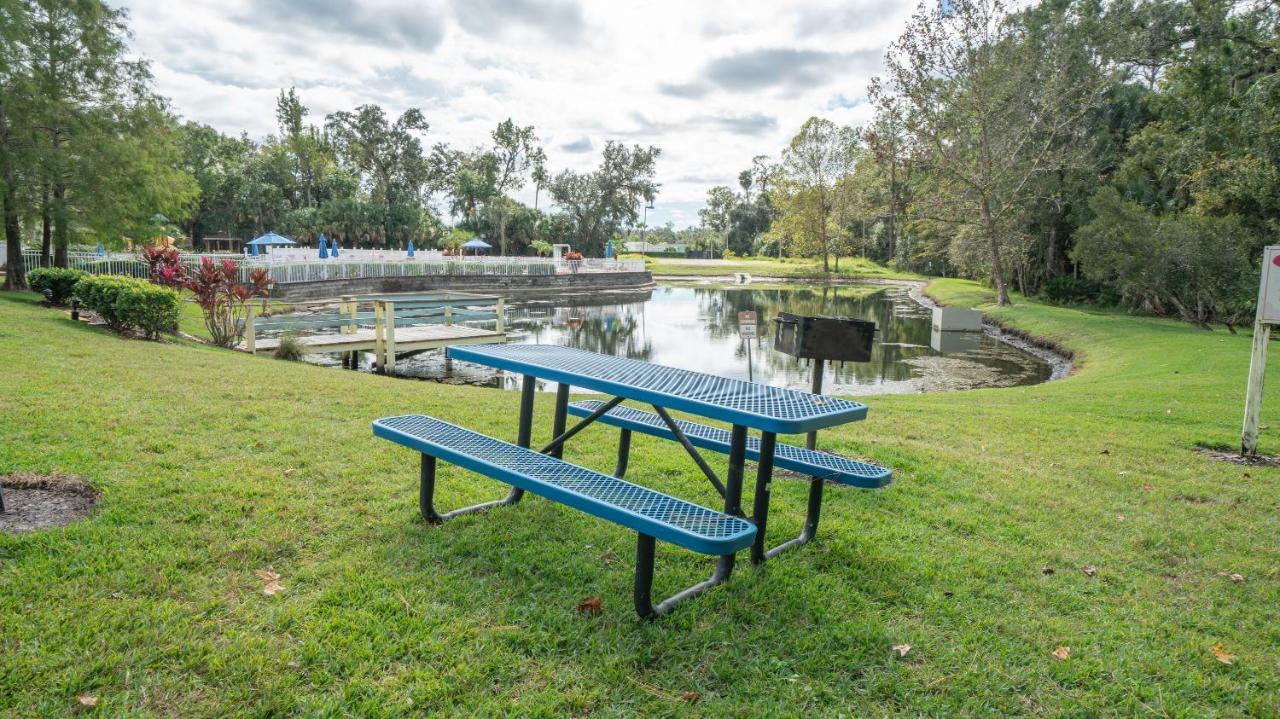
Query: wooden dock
[[426, 322], [407, 339]]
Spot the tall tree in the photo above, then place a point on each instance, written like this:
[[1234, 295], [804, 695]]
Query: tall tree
[[813, 162], [81, 78], [601, 201], [717, 214], [388, 153], [515, 152], [15, 89], [990, 109]]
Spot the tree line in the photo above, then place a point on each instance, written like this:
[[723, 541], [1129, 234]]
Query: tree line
[[1122, 152], [89, 153]]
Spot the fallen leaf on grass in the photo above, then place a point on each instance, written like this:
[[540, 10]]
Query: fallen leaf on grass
[[691, 697], [1221, 654], [87, 701], [590, 605], [1089, 570], [1233, 577], [289, 472], [1061, 653], [608, 556], [1147, 488], [902, 649], [270, 582], [1105, 451]]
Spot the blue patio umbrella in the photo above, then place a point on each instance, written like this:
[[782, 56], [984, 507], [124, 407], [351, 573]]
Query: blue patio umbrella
[[270, 239], [324, 248], [334, 252], [608, 250], [100, 251], [253, 249], [409, 248], [477, 245]]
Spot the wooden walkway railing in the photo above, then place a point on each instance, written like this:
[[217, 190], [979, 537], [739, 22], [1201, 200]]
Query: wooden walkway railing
[[385, 325]]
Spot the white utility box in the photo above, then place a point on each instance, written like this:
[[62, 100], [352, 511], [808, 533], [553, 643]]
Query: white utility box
[[957, 319]]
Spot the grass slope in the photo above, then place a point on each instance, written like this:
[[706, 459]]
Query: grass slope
[[214, 465]]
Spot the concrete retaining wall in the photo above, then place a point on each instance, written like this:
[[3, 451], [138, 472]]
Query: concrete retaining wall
[[518, 284]]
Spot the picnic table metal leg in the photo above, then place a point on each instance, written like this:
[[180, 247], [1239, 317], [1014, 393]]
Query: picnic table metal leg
[[624, 453], [764, 482], [427, 490], [559, 419]]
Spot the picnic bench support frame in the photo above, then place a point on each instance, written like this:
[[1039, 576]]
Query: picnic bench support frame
[[814, 509], [561, 435], [645, 544], [643, 591], [427, 471], [693, 451]]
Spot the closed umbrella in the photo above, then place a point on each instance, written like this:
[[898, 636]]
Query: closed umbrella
[[324, 248], [334, 251], [409, 248]]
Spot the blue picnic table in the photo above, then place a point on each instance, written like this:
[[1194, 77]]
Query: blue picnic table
[[745, 406]]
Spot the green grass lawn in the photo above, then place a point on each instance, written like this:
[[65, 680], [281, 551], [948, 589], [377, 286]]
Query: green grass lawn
[[214, 465], [850, 267]]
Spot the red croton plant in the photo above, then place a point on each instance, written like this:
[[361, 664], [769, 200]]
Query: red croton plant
[[165, 265], [224, 298]]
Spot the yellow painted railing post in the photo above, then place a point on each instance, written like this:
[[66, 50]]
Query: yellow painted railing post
[[390, 314], [349, 306], [448, 315], [498, 308], [378, 355], [250, 337]]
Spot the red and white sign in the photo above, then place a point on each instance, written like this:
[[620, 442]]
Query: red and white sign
[[1269, 292]]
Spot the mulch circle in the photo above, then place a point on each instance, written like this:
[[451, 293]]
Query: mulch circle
[[41, 501], [1260, 460]]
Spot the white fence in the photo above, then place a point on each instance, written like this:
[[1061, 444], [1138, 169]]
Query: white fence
[[284, 268]]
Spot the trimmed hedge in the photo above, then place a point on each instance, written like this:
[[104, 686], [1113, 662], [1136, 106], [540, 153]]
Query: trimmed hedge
[[60, 282], [126, 304]]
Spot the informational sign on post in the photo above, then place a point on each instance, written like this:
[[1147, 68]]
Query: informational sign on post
[[1268, 314], [747, 324]]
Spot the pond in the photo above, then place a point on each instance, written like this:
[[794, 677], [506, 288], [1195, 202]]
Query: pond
[[696, 327]]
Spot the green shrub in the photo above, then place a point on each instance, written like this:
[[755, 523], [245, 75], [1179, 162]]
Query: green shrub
[[60, 282], [126, 304], [290, 347]]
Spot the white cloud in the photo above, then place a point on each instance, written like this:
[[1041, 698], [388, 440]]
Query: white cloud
[[713, 83]]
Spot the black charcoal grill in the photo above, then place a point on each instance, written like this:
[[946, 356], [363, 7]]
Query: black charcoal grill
[[839, 339]]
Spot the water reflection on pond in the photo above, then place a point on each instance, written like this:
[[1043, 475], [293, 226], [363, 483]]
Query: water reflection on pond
[[696, 327]]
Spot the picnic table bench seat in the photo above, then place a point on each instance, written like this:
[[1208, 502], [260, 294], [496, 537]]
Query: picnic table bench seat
[[820, 465], [651, 514]]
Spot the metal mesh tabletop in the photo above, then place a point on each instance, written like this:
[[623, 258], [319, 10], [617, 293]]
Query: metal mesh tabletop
[[770, 409], [639, 508]]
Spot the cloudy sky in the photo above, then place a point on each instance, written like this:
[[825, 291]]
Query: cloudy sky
[[712, 83]]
